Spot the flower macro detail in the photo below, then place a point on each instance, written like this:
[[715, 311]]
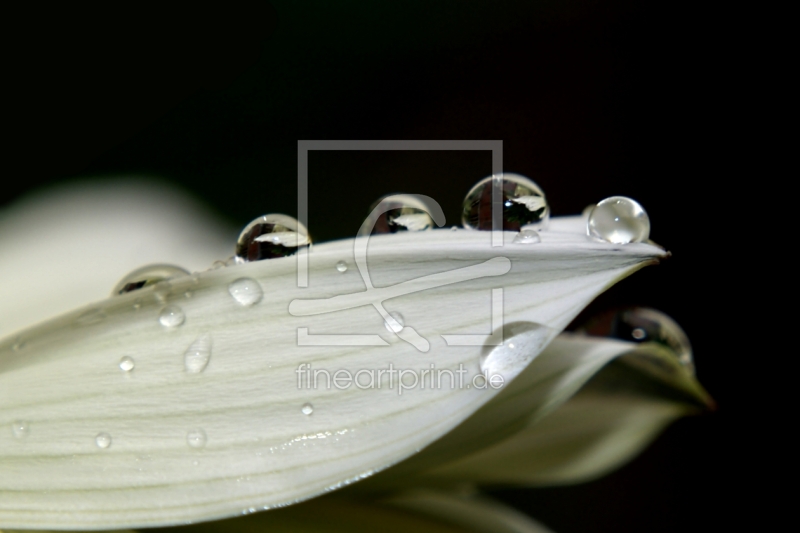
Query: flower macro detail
[[226, 391]]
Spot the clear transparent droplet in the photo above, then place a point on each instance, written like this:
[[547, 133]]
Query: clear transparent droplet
[[147, 276], [271, 236], [618, 220], [198, 355], [246, 291], [196, 438], [522, 342], [643, 325], [527, 236], [20, 428], [171, 316], [398, 213], [341, 266], [307, 409], [126, 364], [523, 204], [396, 325], [103, 440]]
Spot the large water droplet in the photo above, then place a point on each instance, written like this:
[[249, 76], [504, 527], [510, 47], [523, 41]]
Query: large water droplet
[[271, 236], [341, 266], [198, 354], [618, 220], [147, 276], [103, 440], [396, 325], [126, 364], [398, 212], [643, 325], [196, 438], [522, 342], [307, 409], [20, 428], [246, 291], [171, 316], [527, 236], [523, 203]]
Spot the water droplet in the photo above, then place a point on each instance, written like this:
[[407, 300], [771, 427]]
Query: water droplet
[[137, 305], [126, 364], [454, 228], [643, 325], [398, 212], [271, 236], [618, 220], [147, 276], [103, 440], [524, 204], [216, 265], [198, 354], [246, 291], [171, 316], [307, 409], [20, 428], [18, 345], [196, 438], [527, 236], [341, 266], [92, 316], [396, 325], [522, 342]]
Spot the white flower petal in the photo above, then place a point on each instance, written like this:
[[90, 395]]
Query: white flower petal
[[638, 391], [70, 246], [159, 444]]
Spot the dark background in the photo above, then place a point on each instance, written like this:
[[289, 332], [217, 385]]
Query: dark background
[[590, 98]]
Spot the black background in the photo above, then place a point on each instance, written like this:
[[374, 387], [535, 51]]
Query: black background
[[590, 98]]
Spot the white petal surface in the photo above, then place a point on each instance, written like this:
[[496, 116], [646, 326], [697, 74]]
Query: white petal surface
[[158, 444], [71, 245]]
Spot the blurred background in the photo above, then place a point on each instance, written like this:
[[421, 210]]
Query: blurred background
[[590, 98]]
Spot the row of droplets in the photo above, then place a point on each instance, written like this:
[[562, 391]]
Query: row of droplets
[[617, 220]]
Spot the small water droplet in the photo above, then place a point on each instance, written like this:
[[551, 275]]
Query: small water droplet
[[18, 345], [643, 325], [522, 342], [20, 428], [188, 294], [523, 201], [618, 220], [246, 291], [198, 354], [103, 440], [216, 265], [307, 409], [196, 438], [92, 316], [147, 276], [454, 228], [396, 325], [527, 236], [397, 212], [271, 236], [137, 305], [126, 364], [341, 266], [171, 316]]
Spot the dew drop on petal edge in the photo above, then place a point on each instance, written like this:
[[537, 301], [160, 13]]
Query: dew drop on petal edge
[[642, 325], [147, 276], [523, 204], [246, 291], [270, 237], [618, 220], [527, 236], [397, 213]]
